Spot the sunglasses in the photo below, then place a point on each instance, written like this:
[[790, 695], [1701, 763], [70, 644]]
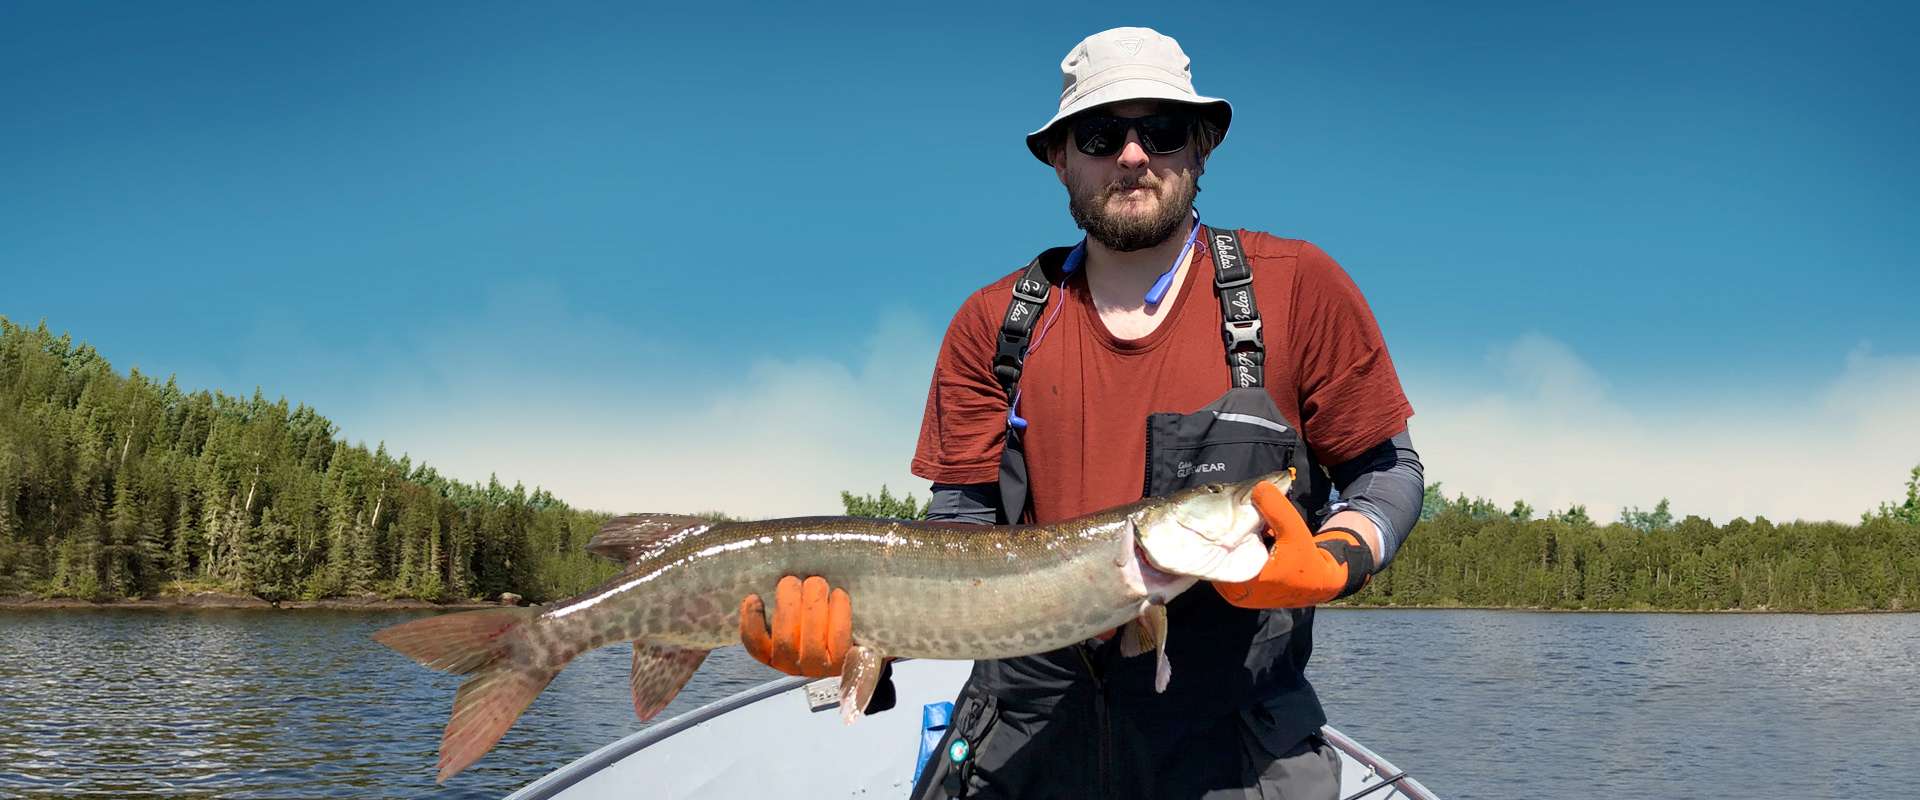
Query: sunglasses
[[1103, 135]]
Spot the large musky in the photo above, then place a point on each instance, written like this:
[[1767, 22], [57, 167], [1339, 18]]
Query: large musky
[[700, 255]]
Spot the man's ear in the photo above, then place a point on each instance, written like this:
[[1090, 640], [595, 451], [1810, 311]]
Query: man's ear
[[1057, 156]]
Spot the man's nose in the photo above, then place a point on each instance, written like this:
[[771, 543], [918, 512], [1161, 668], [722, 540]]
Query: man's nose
[[1132, 155]]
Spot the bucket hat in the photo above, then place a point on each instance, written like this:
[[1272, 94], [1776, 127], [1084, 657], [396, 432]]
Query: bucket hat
[[1126, 64]]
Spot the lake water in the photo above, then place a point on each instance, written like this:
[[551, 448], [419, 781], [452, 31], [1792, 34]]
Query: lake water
[[1477, 704]]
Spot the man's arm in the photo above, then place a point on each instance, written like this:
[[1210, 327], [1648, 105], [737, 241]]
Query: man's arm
[[1380, 502], [1380, 494]]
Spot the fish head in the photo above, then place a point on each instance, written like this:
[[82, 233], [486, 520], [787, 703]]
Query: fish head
[[1211, 532]]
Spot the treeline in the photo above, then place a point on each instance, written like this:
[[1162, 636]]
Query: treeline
[[1470, 552], [116, 486]]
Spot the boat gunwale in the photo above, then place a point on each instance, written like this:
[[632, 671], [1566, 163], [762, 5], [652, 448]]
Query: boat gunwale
[[1390, 775], [553, 783]]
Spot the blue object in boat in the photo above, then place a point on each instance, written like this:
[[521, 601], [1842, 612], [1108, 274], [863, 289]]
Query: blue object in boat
[[934, 718]]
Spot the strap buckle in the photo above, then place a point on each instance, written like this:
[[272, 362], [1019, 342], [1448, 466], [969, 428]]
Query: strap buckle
[[1220, 285], [1025, 288], [1242, 333], [1007, 372]]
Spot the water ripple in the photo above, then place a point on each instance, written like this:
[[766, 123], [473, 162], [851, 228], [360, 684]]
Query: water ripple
[[1630, 705], [253, 704], [259, 704]]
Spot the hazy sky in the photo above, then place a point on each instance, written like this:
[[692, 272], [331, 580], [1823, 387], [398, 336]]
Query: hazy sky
[[700, 255]]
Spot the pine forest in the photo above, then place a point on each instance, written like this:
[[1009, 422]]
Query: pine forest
[[1469, 552], [116, 486]]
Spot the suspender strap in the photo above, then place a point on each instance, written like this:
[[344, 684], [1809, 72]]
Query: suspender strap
[[1232, 281], [1240, 317], [1030, 294]]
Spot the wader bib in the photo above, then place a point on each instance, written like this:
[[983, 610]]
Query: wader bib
[[1084, 722]]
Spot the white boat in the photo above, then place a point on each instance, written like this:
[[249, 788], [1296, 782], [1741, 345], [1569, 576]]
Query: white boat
[[785, 738]]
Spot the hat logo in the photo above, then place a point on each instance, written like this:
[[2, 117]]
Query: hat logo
[[1132, 46]]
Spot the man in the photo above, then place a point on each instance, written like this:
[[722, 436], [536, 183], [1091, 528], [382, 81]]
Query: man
[[1104, 372]]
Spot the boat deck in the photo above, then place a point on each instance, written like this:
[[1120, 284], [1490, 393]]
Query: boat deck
[[771, 740]]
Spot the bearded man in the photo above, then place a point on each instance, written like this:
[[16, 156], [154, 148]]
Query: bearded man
[[1104, 372]]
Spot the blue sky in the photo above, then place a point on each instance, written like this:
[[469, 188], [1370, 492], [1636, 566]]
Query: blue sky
[[635, 253]]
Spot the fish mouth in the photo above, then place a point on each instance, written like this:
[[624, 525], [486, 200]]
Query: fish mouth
[[1240, 561], [1213, 533], [1160, 585], [1146, 580]]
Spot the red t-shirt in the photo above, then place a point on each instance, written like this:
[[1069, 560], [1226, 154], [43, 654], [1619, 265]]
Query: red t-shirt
[[1086, 394]]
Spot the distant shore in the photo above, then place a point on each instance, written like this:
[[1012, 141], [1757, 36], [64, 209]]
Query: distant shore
[[223, 600]]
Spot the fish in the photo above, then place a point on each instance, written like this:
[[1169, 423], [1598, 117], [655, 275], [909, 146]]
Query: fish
[[920, 590]]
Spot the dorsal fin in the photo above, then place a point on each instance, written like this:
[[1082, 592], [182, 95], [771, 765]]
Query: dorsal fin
[[624, 539]]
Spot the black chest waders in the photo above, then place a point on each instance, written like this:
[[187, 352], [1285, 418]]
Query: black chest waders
[[1085, 722]]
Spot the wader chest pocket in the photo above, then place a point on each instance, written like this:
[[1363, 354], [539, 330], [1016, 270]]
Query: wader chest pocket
[[1187, 450]]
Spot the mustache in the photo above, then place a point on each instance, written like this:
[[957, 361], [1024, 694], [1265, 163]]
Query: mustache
[[1146, 181]]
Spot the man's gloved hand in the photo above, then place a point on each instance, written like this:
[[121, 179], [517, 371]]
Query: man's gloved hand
[[1303, 569], [812, 627]]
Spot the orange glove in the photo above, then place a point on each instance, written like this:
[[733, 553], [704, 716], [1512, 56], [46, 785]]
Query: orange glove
[[1303, 569], [812, 628]]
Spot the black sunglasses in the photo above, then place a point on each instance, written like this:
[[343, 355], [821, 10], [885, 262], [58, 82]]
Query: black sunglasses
[[1102, 135]]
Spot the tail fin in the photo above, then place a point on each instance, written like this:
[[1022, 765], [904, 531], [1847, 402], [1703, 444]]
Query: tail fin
[[480, 643]]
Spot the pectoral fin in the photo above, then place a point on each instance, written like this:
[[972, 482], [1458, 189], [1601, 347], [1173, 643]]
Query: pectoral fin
[[1145, 632], [1149, 632], [857, 681], [658, 673]]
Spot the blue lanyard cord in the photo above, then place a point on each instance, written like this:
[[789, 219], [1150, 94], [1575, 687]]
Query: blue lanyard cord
[[1160, 287], [1072, 263]]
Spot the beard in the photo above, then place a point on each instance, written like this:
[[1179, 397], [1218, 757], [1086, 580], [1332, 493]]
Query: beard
[[1129, 232]]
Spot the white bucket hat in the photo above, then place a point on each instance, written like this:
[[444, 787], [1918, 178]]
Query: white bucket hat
[[1126, 64]]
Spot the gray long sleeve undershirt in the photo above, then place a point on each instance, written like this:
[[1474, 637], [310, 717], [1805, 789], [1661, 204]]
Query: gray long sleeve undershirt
[[1385, 483]]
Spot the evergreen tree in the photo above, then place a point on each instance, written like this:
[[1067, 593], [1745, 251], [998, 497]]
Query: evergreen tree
[[430, 584], [1432, 502], [1659, 519], [1575, 515], [883, 505], [273, 566], [1907, 512], [185, 538], [123, 534]]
